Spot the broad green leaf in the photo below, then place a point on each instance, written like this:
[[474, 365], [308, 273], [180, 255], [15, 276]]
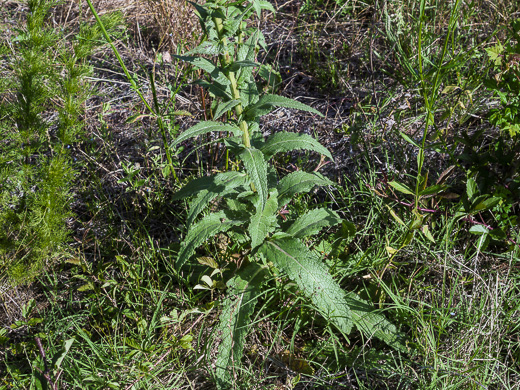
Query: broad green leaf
[[58, 358], [207, 47], [372, 324], [495, 53], [249, 94], [256, 168], [401, 188], [312, 222], [223, 184], [235, 319], [204, 128], [297, 182], [215, 89], [433, 190], [213, 183], [264, 221], [266, 5], [224, 107], [237, 65], [485, 204], [204, 64], [247, 50], [471, 188], [479, 229], [201, 231], [268, 102], [285, 142], [306, 268], [273, 77], [259, 5]]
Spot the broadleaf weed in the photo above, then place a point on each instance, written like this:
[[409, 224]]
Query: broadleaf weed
[[255, 196]]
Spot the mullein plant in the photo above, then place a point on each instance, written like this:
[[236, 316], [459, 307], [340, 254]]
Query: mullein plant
[[246, 204]]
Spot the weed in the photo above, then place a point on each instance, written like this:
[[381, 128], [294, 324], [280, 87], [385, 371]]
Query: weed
[[254, 198]]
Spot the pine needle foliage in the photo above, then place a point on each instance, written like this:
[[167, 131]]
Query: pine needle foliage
[[252, 199]]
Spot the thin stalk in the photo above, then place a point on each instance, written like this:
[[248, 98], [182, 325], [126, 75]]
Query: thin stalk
[[132, 82], [428, 101], [225, 61], [162, 128], [119, 59]]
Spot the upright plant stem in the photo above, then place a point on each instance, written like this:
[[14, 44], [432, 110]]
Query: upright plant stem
[[135, 87], [225, 61]]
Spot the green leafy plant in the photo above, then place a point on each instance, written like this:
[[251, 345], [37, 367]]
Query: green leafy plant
[[506, 82], [249, 205], [36, 170]]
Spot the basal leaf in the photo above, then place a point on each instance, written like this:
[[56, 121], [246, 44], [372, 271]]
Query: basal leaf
[[297, 182], [234, 321], [285, 142], [267, 102], [204, 128], [312, 277], [264, 221], [201, 231], [312, 222], [372, 324], [256, 168]]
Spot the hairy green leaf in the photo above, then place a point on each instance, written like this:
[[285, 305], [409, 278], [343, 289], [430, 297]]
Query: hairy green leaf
[[204, 128], [234, 321], [242, 64], [312, 222], [312, 277], [207, 47], [373, 324], [212, 183], [297, 182], [268, 102], [271, 76], [201, 231], [224, 107], [285, 142], [222, 185], [264, 221], [249, 94], [256, 168], [204, 64]]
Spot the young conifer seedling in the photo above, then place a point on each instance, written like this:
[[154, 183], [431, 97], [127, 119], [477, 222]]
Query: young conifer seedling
[[252, 197]]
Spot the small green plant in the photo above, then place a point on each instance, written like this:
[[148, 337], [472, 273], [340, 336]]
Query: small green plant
[[36, 171], [249, 205], [506, 83]]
